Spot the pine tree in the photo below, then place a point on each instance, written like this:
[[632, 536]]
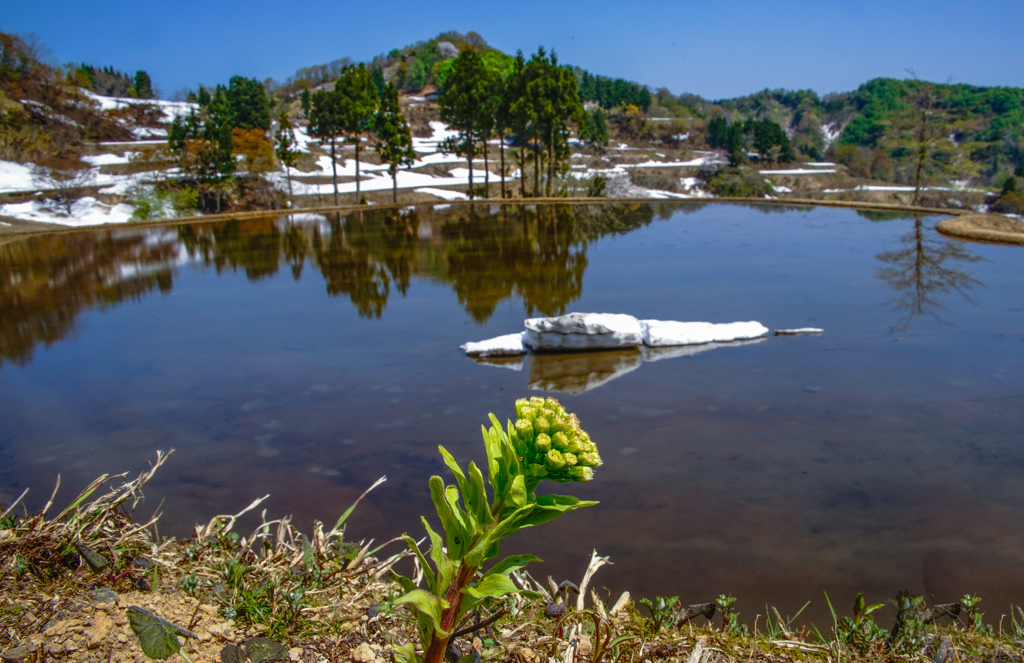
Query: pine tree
[[326, 123], [394, 140], [286, 152], [305, 101], [460, 105], [249, 103], [143, 85], [357, 97]]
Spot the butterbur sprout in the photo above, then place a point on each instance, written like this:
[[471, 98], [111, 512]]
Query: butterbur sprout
[[551, 442]]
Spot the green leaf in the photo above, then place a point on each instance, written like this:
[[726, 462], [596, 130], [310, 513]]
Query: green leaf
[[428, 573], [265, 650], [95, 560], [157, 636], [233, 654], [449, 460], [427, 604], [518, 491], [477, 496], [406, 653], [493, 586], [494, 474], [445, 567], [510, 564], [456, 533]]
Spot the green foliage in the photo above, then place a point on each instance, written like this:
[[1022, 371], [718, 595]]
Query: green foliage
[[611, 92], [157, 636], [469, 105], [662, 610], [202, 144], [545, 442], [394, 139], [249, 104], [594, 128], [143, 85], [738, 183]]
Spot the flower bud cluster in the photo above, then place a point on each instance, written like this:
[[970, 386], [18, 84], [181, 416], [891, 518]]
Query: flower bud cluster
[[551, 443]]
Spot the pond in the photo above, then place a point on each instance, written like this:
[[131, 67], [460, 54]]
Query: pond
[[306, 356]]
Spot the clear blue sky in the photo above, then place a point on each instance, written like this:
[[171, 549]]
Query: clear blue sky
[[714, 48]]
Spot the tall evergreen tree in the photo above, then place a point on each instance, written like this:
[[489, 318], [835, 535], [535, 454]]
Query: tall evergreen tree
[[460, 104], [357, 97], [143, 85], [249, 102], [394, 140], [326, 123], [286, 152]]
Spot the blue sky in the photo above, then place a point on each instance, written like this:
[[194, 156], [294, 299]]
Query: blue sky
[[717, 49]]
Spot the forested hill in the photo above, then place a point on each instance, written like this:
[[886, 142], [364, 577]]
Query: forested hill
[[870, 128]]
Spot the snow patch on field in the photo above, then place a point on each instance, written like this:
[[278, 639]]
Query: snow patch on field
[[445, 194], [84, 212]]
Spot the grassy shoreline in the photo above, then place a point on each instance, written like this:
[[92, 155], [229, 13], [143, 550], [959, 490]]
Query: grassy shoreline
[[67, 583]]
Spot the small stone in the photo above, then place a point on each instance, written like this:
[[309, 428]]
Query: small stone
[[364, 654], [294, 653], [99, 630], [104, 595]]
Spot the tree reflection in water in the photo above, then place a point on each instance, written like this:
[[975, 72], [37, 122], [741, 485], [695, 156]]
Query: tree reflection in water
[[925, 270], [487, 254], [47, 281]]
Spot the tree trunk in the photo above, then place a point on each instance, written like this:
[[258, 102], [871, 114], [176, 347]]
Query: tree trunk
[[394, 182], [501, 155], [334, 173], [469, 160], [922, 153], [487, 172], [358, 199], [537, 169], [291, 196]]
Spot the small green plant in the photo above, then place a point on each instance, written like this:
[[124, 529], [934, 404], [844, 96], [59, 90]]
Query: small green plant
[[662, 610], [860, 632], [730, 619], [545, 442], [974, 618]]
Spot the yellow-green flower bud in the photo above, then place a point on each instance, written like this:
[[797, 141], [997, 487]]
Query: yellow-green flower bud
[[543, 425], [524, 429], [551, 443], [554, 459], [581, 473]]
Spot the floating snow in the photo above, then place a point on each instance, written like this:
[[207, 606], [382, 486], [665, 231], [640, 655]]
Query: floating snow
[[509, 345]]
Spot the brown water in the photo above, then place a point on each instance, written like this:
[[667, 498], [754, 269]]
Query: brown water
[[305, 358]]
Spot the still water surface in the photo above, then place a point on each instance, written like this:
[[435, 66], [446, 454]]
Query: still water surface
[[305, 357]]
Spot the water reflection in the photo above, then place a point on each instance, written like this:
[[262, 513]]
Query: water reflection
[[46, 282], [485, 254], [926, 269]]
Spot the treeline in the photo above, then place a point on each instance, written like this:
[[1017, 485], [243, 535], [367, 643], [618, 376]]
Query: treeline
[[533, 104], [611, 92], [44, 118], [228, 120], [766, 137], [110, 82]]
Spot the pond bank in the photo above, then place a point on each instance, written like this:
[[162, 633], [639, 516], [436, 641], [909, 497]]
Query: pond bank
[[986, 227], [67, 584]]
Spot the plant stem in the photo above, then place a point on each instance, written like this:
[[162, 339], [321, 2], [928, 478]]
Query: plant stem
[[453, 596]]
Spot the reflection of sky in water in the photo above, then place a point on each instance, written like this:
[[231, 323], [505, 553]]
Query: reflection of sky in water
[[883, 454]]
